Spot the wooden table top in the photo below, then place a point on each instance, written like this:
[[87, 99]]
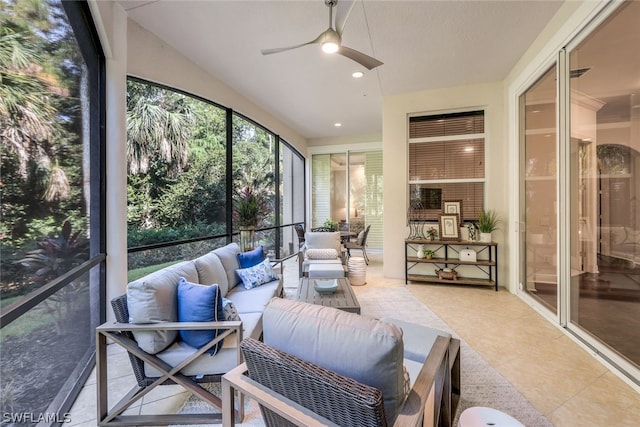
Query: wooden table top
[[343, 298]]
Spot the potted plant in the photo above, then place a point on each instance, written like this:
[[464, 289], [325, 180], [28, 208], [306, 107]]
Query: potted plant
[[488, 221], [428, 253], [432, 233], [331, 225], [249, 207]]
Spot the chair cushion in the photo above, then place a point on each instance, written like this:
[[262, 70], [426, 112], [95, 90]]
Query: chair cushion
[[251, 258], [210, 270], [360, 238], [257, 275], [153, 299], [368, 350], [199, 303], [229, 257], [322, 240]]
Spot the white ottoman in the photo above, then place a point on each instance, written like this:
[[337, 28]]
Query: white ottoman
[[480, 416], [357, 271], [326, 271]]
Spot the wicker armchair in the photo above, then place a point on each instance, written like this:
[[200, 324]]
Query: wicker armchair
[[294, 392]]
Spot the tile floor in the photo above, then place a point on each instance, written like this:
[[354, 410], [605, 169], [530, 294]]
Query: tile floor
[[559, 378]]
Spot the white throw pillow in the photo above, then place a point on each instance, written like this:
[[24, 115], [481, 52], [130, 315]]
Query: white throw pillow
[[322, 253]]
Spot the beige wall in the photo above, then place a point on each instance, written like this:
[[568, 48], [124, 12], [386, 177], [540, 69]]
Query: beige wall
[[396, 109]]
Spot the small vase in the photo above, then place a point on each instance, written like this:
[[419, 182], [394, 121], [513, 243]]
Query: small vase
[[247, 238], [420, 252], [485, 237]]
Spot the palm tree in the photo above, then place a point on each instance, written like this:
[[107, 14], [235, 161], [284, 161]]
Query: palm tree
[[159, 126], [26, 115]]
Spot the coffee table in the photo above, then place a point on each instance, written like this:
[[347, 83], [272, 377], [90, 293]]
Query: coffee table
[[343, 298]]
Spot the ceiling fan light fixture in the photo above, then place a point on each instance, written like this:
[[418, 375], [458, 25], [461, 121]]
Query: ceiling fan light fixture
[[330, 47]]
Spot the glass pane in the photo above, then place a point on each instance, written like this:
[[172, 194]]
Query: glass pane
[[320, 189], [176, 147], [374, 198], [44, 351], [357, 193], [49, 116], [254, 166], [539, 196], [605, 183]]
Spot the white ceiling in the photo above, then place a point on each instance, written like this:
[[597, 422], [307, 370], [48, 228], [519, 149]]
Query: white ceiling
[[424, 44]]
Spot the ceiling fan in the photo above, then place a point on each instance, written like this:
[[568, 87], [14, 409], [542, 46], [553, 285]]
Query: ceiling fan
[[331, 41]]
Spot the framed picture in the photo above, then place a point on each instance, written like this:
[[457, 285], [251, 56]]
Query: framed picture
[[452, 207], [449, 227]]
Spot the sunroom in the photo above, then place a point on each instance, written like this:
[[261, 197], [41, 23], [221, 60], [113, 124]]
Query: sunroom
[[559, 163]]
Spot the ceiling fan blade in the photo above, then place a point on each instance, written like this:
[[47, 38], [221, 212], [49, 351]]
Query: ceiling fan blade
[[283, 49], [343, 10], [365, 60]]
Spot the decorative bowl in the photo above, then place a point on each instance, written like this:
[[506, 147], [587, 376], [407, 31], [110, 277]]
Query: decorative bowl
[[325, 286]]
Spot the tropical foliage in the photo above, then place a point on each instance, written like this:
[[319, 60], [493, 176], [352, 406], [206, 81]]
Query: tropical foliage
[[41, 159]]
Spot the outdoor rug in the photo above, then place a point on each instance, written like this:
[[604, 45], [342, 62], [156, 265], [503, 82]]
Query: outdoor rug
[[481, 384]]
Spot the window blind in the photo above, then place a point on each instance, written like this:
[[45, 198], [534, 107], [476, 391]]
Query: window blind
[[453, 151], [446, 124]]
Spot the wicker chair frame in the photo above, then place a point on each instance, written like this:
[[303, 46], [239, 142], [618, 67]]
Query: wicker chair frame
[[294, 392]]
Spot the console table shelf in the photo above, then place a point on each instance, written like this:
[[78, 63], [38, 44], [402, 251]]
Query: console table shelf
[[488, 264]]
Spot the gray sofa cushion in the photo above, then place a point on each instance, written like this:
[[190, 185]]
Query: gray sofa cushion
[[210, 271], [365, 349], [253, 300], [229, 257], [223, 361], [153, 299]]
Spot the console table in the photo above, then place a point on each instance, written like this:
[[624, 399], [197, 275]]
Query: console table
[[448, 256]]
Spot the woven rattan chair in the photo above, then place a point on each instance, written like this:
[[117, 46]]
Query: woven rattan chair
[[300, 232], [121, 334], [294, 392], [362, 245]]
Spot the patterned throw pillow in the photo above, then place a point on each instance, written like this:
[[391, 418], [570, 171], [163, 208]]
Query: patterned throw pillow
[[229, 309], [322, 253], [257, 275]]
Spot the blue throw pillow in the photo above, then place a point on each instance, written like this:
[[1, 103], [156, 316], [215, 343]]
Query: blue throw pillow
[[257, 275], [199, 303], [251, 258]]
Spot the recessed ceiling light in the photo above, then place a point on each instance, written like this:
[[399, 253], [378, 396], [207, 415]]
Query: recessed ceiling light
[[357, 74], [337, 125]]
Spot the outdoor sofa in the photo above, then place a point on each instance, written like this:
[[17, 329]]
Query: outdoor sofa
[[147, 326]]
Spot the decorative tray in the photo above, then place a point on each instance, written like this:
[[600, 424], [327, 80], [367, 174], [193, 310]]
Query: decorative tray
[[325, 286]]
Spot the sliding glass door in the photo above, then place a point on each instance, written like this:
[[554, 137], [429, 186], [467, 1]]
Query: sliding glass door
[[604, 183], [346, 187], [580, 188], [539, 183]]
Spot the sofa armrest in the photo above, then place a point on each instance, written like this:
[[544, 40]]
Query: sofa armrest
[[115, 326]]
